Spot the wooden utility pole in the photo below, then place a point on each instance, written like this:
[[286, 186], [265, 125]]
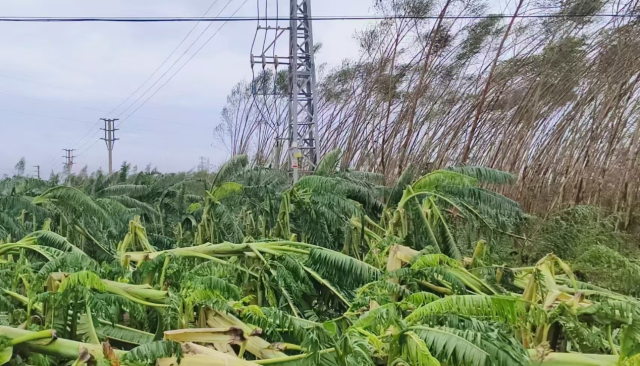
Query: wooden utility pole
[[68, 164], [109, 138], [37, 170]]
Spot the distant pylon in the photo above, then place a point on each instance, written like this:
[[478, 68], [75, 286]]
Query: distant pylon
[[37, 170], [204, 164], [109, 139]]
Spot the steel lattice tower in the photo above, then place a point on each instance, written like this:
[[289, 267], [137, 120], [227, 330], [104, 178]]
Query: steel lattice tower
[[303, 129]]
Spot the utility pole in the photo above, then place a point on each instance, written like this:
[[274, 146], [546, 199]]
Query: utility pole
[[302, 132], [109, 139], [68, 164], [37, 170]]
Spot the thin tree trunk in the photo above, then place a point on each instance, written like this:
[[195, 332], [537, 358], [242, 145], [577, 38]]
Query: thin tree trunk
[[483, 96]]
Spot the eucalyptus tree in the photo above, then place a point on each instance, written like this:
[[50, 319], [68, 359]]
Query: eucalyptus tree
[[550, 96]]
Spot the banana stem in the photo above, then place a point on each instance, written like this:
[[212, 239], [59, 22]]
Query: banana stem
[[290, 358], [37, 342], [50, 333]]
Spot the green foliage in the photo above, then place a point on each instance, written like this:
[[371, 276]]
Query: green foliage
[[485, 175], [572, 232], [506, 309], [68, 198], [53, 240], [84, 279], [150, 352], [124, 334], [342, 269], [329, 163], [415, 351], [131, 190], [450, 345], [334, 270], [604, 267], [230, 169]]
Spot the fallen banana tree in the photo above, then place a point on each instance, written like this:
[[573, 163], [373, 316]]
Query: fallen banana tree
[[141, 294], [196, 355], [281, 302], [46, 343], [212, 251]]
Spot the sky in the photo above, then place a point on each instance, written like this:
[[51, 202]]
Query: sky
[[58, 79]]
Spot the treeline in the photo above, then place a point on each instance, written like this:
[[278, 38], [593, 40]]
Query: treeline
[[551, 98]]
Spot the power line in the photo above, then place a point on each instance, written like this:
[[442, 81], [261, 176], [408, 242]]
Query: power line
[[149, 78], [183, 65], [171, 77], [233, 18], [47, 116], [55, 160], [89, 140], [174, 63], [314, 18], [166, 60]]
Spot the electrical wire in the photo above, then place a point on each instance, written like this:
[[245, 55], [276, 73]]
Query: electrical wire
[[253, 74], [156, 82], [73, 119], [233, 18], [171, 77], [273, 46], [56, 86], [183, 65], [313, 18], [166, 60], [54, 161], [173, 64], [91, 129]]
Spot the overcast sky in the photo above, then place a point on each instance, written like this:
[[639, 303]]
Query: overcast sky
[[58, 79]]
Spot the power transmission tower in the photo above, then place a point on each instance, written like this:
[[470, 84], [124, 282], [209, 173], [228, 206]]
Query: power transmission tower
[[109, 139], [204, 164], [68, 165], [37, 170], [302, 131]]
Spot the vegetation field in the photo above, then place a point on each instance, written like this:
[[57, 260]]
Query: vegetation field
[[240, 267]]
